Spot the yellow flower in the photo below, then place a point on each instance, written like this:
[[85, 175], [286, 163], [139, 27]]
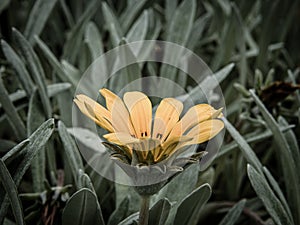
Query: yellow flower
[[137, 139]]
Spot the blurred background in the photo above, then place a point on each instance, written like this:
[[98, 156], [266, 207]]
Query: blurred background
[[252, 47]]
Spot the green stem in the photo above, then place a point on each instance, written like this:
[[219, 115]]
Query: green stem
[[144, 210]]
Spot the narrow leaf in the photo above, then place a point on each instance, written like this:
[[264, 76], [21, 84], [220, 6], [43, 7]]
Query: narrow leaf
[[130, 13], [265, 193], [71, 150], [11, 112], [247, 151], [35, 117], [112, 24], [19, 66], [234, 213], [159, 212], [283, 150], [188, 210], [37, 140], [37, 18], [55, 63], [82, 209], [120, 212], [12, 193], [35, 68], [73, 44]]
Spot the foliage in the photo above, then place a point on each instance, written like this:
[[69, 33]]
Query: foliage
[[252, 48]]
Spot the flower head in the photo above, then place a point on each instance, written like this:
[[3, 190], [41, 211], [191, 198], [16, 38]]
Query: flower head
[[136, 139]]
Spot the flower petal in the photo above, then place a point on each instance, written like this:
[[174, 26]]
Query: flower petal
[[195, 115], [166, 116], [205, 131], [119, 113], [94, 111], [120, 138], [140, 110], [171, 145]]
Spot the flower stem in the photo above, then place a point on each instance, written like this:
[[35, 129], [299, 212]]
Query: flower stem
[[144, 210]]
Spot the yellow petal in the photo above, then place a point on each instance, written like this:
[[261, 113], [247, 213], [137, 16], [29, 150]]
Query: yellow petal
[[166, 116], [94, 111], [205, 131], [119, 113], [140, 109], [171, 145], [120, 138], [109, 96], [195, 115], [98, 109]]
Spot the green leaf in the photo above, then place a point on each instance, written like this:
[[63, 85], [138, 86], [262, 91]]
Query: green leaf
[[54, 89], [292, 142], [170, 8], [250, 138], [178, 32], [37, 140], [182, 22], [73, 44], [87, 138], [159, 213], [6, 145], [130, 220], [170, 191], [3, 5], [139, 29], [277, 190], [94, 40], [188, 210], [128, 74], [19, 66], [211, 82], [234, 213], [130, 13], [227, 41], [35, 117], [265, 193], [37, 18], [11, 112], [284, 152], [247, 151], [71, 151], [84, 181], [124, 190], [35, 67], [11, 154], [197, 30], [112, 24], [12, 193], [55, 63], [82, 209], [120, 212]]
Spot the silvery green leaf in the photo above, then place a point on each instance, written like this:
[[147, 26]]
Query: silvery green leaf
[[37, 18], [72, 153], [283, 149], [82, 209], [189, 208], [11, 112], [265, 193], [36, 141], [35, 117], [12, 193], [234, 213], [35, 68], [19, 66]]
